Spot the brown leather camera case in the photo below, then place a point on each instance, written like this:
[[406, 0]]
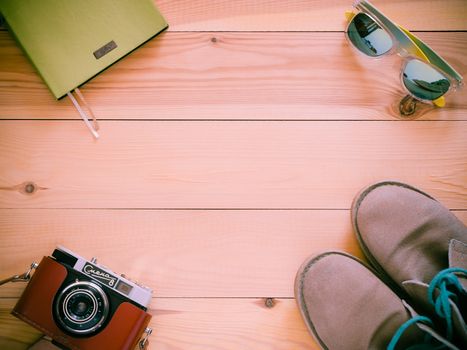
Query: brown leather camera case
[[35, 307]]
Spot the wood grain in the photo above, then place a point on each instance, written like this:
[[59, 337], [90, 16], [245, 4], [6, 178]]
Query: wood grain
[[14, 334], [300, 15], [181, 253], [194, 323], [226, 159], [273, 76], [200, 324], [225, 164]]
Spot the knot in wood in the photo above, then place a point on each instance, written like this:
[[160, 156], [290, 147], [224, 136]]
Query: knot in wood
[[407, 106], [214, 39], [30, 187], [269, 302]]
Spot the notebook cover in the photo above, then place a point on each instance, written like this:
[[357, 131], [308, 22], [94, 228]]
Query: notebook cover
[[69, 42]]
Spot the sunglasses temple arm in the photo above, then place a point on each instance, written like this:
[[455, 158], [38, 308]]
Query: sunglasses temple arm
[[410, 42], [399, 34], [432, 56], [349, 15], [413, 40]]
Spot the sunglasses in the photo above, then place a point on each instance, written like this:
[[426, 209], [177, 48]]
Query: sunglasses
[[424, 74]]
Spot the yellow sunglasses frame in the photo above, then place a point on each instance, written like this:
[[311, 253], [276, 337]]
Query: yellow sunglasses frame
[[410, 43]]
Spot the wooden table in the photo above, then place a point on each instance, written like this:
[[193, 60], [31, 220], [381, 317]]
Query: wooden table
[[231, 148]]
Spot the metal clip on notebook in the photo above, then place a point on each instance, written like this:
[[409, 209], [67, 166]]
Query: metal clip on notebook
[[93, 128]]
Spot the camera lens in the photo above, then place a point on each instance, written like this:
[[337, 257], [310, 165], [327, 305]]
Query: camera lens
[[81, 308]]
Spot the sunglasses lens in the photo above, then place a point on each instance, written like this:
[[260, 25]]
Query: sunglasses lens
[[368, 36], [423, 81]]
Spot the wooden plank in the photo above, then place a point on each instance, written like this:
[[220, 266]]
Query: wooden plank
[[182, 253], [204, 323], [299, 15], [239, 76], [200, 324], [14, 334], [225, 164]]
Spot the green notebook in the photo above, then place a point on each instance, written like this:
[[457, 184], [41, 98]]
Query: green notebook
[[71, 41]]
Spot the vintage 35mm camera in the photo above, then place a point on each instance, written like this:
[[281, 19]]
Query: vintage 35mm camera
[[82, 305]]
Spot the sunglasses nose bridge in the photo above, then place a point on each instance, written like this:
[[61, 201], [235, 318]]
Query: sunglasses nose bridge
[[402, 52]]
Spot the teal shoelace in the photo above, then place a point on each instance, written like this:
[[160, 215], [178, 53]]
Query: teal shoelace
[[449, 290], [427, 341]]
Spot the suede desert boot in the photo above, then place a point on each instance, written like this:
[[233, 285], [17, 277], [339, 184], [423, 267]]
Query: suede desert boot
[[419, 247], [345, 306]]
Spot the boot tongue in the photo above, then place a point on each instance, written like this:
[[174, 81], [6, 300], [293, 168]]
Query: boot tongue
[[457, 255], [418, 291]]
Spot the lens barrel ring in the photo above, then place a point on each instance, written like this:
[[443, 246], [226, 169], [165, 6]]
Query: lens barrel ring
[[81, 308]]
